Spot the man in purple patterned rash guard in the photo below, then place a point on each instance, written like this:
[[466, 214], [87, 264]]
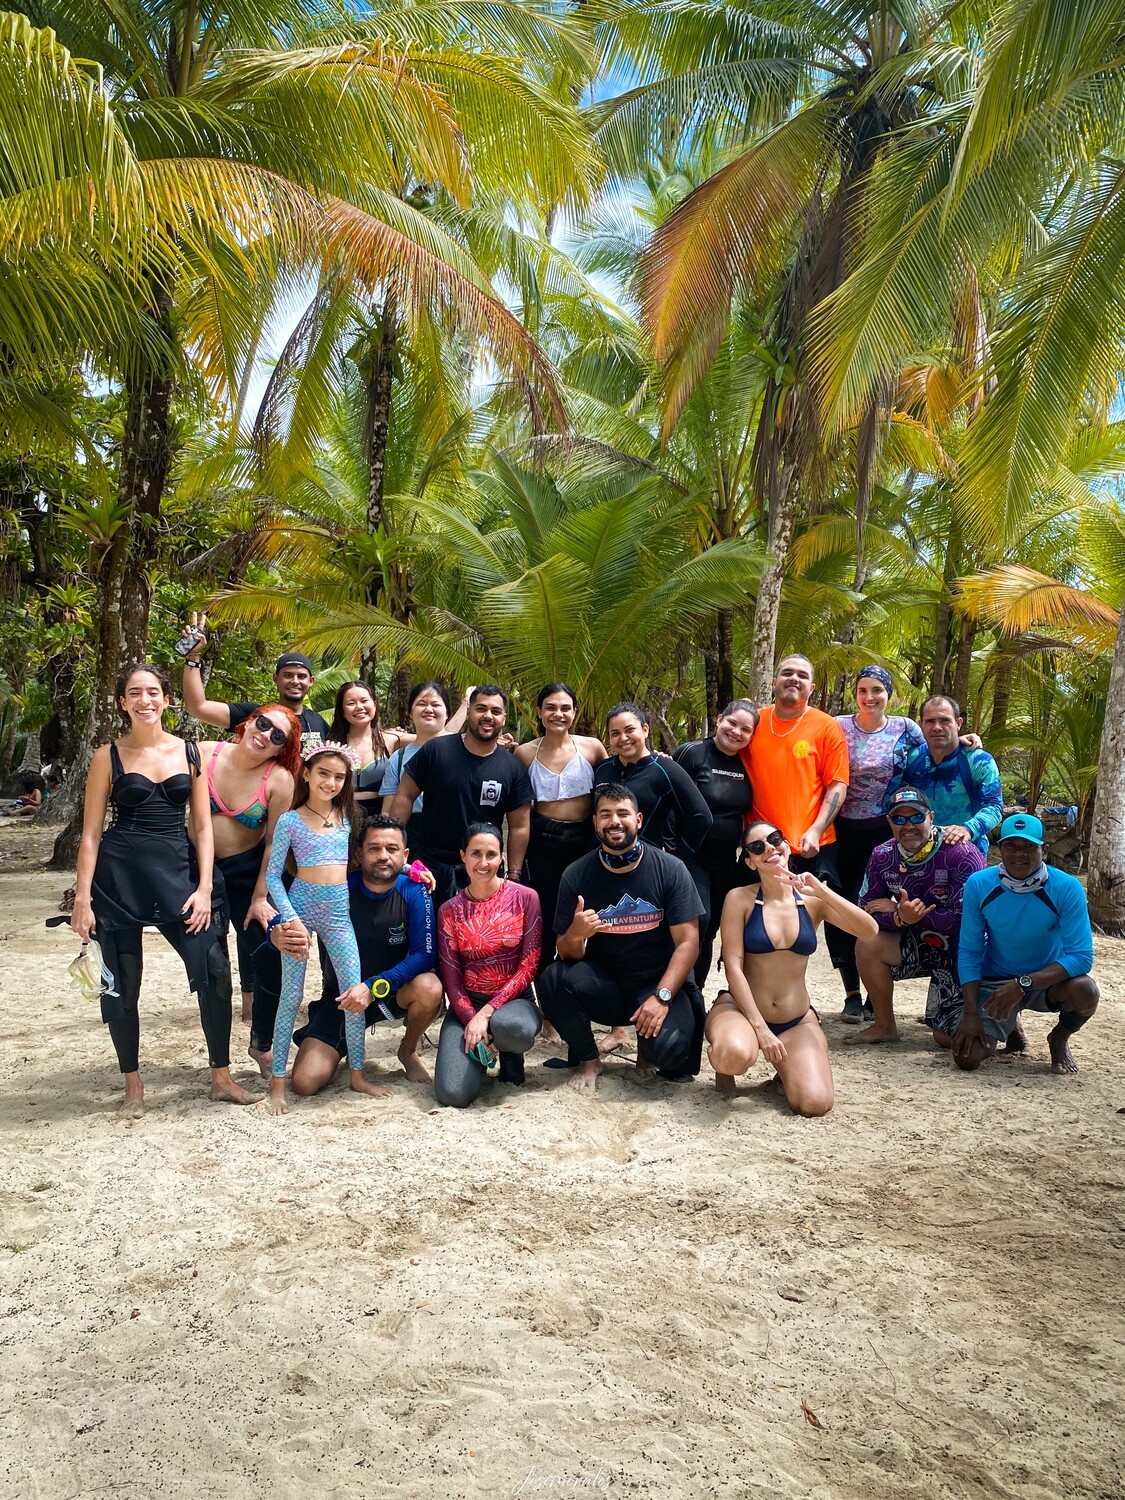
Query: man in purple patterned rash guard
[[913, 888]]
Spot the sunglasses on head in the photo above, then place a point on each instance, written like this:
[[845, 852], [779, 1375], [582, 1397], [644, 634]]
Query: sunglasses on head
[[757, 847], [900, 820], [266, 726]]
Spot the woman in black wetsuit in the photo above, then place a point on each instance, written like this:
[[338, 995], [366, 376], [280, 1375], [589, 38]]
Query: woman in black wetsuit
[[137, 874], [769, 933], [716, 768]]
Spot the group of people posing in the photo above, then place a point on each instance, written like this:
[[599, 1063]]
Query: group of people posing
[[547, 887]]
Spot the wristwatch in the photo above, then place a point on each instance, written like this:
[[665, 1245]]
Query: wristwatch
[[1025, 983], [664, 996]]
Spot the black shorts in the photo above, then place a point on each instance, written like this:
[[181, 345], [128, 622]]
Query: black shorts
[[326, 1021]]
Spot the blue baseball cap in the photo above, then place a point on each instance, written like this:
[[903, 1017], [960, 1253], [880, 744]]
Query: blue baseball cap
[[1022, 826]]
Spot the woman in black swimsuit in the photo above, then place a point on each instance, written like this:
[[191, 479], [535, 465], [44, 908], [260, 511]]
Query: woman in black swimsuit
[[769, 933], [137, 874]]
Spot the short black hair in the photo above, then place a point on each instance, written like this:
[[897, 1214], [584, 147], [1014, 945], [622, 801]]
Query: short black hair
[[939, 698], [628, 708], [615, 791], [488, 690], [475, 828], [381, 820]]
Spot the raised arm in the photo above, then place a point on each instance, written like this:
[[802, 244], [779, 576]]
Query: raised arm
[[206, 710]]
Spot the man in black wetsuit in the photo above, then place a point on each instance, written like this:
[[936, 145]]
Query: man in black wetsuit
[[393, 920], [627, 932], [466, 779]]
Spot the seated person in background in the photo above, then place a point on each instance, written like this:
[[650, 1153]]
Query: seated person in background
[[1026, 944], [393, 920], [913, 889], [627, 933], [31, 798], [769, 934], [963, 785], [488, 946]]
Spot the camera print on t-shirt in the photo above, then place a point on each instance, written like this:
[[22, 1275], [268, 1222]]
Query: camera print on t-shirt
[[490, 793]]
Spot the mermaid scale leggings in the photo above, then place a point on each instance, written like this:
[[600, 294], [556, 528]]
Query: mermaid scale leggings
[[324, 910]]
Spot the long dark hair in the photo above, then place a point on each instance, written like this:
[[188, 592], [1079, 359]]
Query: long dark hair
[[340, 726]]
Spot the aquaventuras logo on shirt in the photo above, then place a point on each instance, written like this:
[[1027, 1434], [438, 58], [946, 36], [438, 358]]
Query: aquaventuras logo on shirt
[[630, 915]]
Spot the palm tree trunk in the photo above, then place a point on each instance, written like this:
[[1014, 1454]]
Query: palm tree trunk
[[767, 606], [124, 593], [1105, 887], [966, 634], [1001, 694]]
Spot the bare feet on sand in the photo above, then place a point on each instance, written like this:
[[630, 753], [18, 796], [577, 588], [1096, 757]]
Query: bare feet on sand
[[413, 1066], [276, 1102], [550, 1035], [132, 1107], [263, 1059], [361, 1085], [585, 1080], [613, 1040], [224, 1090], [727, 1085], [247, 1008], [1017, 1042], [877, 1033], [1061, 1060]]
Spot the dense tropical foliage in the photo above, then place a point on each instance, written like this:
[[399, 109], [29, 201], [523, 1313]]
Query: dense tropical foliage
[[623, 342]]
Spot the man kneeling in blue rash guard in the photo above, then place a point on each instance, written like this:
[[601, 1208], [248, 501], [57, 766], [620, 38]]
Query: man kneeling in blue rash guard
[[1026, 944], [393, 919]]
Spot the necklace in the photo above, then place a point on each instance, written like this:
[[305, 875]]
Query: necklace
[[792, 726], [326, 822]]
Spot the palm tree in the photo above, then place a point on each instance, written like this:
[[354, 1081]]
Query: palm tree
[[832, 100]]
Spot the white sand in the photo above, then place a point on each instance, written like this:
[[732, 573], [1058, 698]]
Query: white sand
[[544, 1293]]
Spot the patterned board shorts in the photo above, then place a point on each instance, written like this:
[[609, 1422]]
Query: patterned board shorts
[[943, 998]]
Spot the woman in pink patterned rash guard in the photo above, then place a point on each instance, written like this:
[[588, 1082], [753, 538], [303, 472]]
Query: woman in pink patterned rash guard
[[489, 938]]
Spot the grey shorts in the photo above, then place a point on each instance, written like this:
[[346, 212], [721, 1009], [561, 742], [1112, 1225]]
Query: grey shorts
[[1000, 1031]]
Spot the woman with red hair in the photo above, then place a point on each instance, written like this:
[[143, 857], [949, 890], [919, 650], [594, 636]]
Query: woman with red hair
[[250, 783]]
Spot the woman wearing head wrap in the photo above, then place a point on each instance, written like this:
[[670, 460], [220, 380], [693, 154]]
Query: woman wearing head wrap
[[873, 736]]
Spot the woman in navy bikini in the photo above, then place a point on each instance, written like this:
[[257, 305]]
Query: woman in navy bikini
[[768, 932]]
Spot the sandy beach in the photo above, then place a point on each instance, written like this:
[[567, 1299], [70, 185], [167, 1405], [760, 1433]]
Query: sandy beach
[[653, 1293]]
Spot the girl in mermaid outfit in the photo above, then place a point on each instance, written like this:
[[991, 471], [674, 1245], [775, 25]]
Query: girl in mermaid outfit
[[317, 832]]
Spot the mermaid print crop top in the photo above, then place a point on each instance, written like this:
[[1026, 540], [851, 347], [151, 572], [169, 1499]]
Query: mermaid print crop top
[[330, 846]]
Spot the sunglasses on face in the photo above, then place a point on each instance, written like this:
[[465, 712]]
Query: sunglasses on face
[[263, 725], [757, 847], [900, 820]]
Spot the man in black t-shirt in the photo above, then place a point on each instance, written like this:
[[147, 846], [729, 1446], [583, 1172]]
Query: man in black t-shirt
[[466, 779], [293, 676], [627, 932]]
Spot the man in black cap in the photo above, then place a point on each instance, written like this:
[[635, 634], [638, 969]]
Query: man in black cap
[[913, 888], [293, 675]]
